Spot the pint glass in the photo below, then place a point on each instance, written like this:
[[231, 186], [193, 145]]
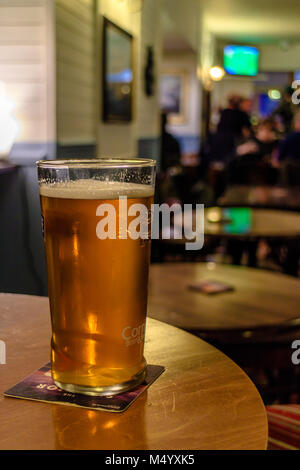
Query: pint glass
[[96, 218]]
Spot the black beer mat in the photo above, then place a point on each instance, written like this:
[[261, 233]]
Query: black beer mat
[[39, 386]]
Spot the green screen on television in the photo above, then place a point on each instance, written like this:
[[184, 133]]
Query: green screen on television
[[240, 220], [241, 60]]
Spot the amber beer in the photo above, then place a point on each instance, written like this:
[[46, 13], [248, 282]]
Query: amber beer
[[97, 287]]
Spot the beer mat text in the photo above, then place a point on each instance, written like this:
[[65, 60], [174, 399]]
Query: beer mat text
[[39, 386]]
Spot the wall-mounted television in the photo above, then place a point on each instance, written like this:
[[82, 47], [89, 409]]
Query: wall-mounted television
[[241, 60]]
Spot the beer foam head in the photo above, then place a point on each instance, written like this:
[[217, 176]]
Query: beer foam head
[[95, 189]]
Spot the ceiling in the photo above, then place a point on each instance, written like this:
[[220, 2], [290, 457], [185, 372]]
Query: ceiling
[[176, 43], [253, 21], [180, 21], [247, 21]]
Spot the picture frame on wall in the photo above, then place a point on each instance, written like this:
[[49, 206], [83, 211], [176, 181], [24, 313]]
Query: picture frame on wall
[[173, 96], [117, 74]]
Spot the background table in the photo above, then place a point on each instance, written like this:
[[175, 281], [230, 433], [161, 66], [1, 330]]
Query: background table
[[247, 223], [242, 223], [260, 298], [242, 228], [202, 400], [262, 196]]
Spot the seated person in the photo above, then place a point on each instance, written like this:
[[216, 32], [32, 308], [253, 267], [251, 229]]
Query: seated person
[[252, 160], [262, 145], [290, 146]]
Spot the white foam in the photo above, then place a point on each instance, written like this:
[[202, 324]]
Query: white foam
[[93, 189]]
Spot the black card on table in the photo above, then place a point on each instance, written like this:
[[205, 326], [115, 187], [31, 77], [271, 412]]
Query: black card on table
[[39, 386], [211, 287]]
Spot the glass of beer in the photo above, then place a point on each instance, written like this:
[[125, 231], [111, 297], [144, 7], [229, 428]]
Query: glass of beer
[[96, 218]]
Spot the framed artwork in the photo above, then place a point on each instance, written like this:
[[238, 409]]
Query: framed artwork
[[173, 96], [117, 75]]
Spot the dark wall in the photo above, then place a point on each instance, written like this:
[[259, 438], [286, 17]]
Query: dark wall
[[22, 259], [22, 262], [76, 151]]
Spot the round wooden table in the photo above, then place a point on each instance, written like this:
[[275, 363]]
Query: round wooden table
[[260, 298], [202, 401]]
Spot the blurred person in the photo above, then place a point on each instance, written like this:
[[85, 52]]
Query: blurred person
[[234, 123], [263, 144], [170, 150], [252, 163], [172, 180], [284, 111], [246, 106], [266, 138], [233, 119], [290, 146]]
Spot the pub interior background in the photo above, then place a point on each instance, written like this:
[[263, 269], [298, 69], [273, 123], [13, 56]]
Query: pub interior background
[[226, 140]]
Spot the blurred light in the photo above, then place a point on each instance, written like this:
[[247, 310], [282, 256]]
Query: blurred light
[[247, 334], [274, 94], [9, 127], [216, 73], [125, 89], [211, 265], [214, 215], [199, 72], [109, 424], [122, 77], [254, 120]]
